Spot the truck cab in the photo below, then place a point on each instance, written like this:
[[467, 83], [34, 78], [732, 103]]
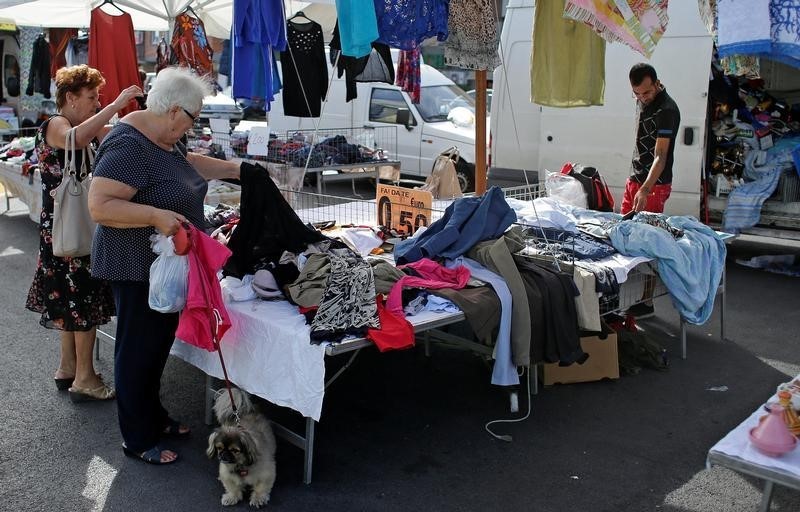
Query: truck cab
[[443, 118]]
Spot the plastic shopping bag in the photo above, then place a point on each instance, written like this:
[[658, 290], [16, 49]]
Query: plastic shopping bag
[[566, 189], [169, 277]]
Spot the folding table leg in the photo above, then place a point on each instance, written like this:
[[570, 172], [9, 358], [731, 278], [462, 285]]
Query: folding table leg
[[766, 497], [683, 338], [722, 304], [308, 450]]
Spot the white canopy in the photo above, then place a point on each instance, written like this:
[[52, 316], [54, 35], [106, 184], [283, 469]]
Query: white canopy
[[147, 14]]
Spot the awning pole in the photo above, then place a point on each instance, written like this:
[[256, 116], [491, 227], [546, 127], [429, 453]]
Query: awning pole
[[480, 132]]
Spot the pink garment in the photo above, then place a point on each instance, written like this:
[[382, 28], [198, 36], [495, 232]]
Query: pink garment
[[204, 297], [636, 23], [434, 276]]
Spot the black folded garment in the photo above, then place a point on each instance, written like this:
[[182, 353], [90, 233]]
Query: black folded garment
[[267, 225]]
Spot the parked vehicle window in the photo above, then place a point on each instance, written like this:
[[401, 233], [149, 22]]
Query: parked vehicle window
[[436, 101], [384, 104], [11, 74]]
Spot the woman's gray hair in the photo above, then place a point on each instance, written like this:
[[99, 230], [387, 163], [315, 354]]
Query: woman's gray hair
[[177, 87]]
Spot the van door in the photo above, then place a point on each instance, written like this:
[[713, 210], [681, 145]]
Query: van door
[[603, 137], [384, 106], [515, 121]]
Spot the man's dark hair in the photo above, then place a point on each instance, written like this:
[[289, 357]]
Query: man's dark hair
[[641, 71]]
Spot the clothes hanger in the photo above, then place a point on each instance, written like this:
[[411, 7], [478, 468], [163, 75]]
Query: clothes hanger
[[113, 4], [300, 14]]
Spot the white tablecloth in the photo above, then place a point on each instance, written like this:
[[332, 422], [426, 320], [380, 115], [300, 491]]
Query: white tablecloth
[[267, 352], [737, 443], [21, 187]]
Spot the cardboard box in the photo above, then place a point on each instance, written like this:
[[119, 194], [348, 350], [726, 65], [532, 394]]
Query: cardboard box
[[603, 363]]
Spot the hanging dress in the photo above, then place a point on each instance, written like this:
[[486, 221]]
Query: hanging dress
[[472, 41], [568, 61], [305, 72], [59, 39], [190, 46], [377, 66], [408, 73], [405, 24], [258, 28], [119, 66], [358, 26], [39, 75]]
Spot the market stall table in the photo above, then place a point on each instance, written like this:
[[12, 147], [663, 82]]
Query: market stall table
[[27, 189], [268, 353], [734, 451]]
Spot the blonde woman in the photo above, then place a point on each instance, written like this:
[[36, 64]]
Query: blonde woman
[[63, 290]]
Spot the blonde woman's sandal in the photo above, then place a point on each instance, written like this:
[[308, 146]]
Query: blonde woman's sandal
[[101, 392]]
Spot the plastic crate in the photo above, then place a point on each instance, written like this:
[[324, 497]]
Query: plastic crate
[[788, 190]]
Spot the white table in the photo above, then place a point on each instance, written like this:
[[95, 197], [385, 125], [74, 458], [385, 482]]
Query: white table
[[352, 172], [734, 451], [27, 189]]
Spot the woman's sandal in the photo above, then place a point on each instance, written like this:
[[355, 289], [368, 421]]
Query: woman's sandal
[[101, 392], [173, 429], [151, 456], [64, 384]]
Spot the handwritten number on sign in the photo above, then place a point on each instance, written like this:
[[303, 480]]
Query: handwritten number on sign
[[385, 212], [401, 209], [421, 220], [404, 224]]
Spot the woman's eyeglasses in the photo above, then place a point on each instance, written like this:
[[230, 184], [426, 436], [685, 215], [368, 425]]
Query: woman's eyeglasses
[[191, 116]]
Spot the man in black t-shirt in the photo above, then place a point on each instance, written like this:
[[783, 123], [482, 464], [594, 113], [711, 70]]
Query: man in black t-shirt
[[650, 182]]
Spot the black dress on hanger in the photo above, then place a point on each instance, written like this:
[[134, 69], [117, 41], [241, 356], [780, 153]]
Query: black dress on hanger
[[305, 72], [39, 76], [375, 67]]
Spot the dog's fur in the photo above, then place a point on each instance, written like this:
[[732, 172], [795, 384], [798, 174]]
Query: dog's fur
[[246, 451]]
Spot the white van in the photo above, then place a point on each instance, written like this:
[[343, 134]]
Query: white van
[[603, 136], [10, 76], [423, 130]]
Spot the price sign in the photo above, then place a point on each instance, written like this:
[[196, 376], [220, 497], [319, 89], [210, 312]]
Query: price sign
[[258, 141], [403, 209]]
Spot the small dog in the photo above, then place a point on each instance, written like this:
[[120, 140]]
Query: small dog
[[246, 451]]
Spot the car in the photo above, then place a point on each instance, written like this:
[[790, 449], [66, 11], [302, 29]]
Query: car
[[148, 82], [471, 94]]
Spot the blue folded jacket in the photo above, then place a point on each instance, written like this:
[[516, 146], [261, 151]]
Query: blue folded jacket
[[467, 221]]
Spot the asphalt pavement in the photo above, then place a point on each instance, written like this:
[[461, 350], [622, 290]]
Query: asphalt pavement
[[405, 432]]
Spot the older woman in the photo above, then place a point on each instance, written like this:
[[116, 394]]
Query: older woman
[[63, 290], [145, 181]]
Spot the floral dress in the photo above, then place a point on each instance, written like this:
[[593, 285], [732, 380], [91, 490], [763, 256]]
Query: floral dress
[[63, 290]]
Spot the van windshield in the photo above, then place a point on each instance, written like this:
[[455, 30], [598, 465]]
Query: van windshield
[[436, 101]]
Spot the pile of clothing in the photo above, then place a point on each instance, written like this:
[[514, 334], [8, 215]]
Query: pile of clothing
[[753, 135]]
